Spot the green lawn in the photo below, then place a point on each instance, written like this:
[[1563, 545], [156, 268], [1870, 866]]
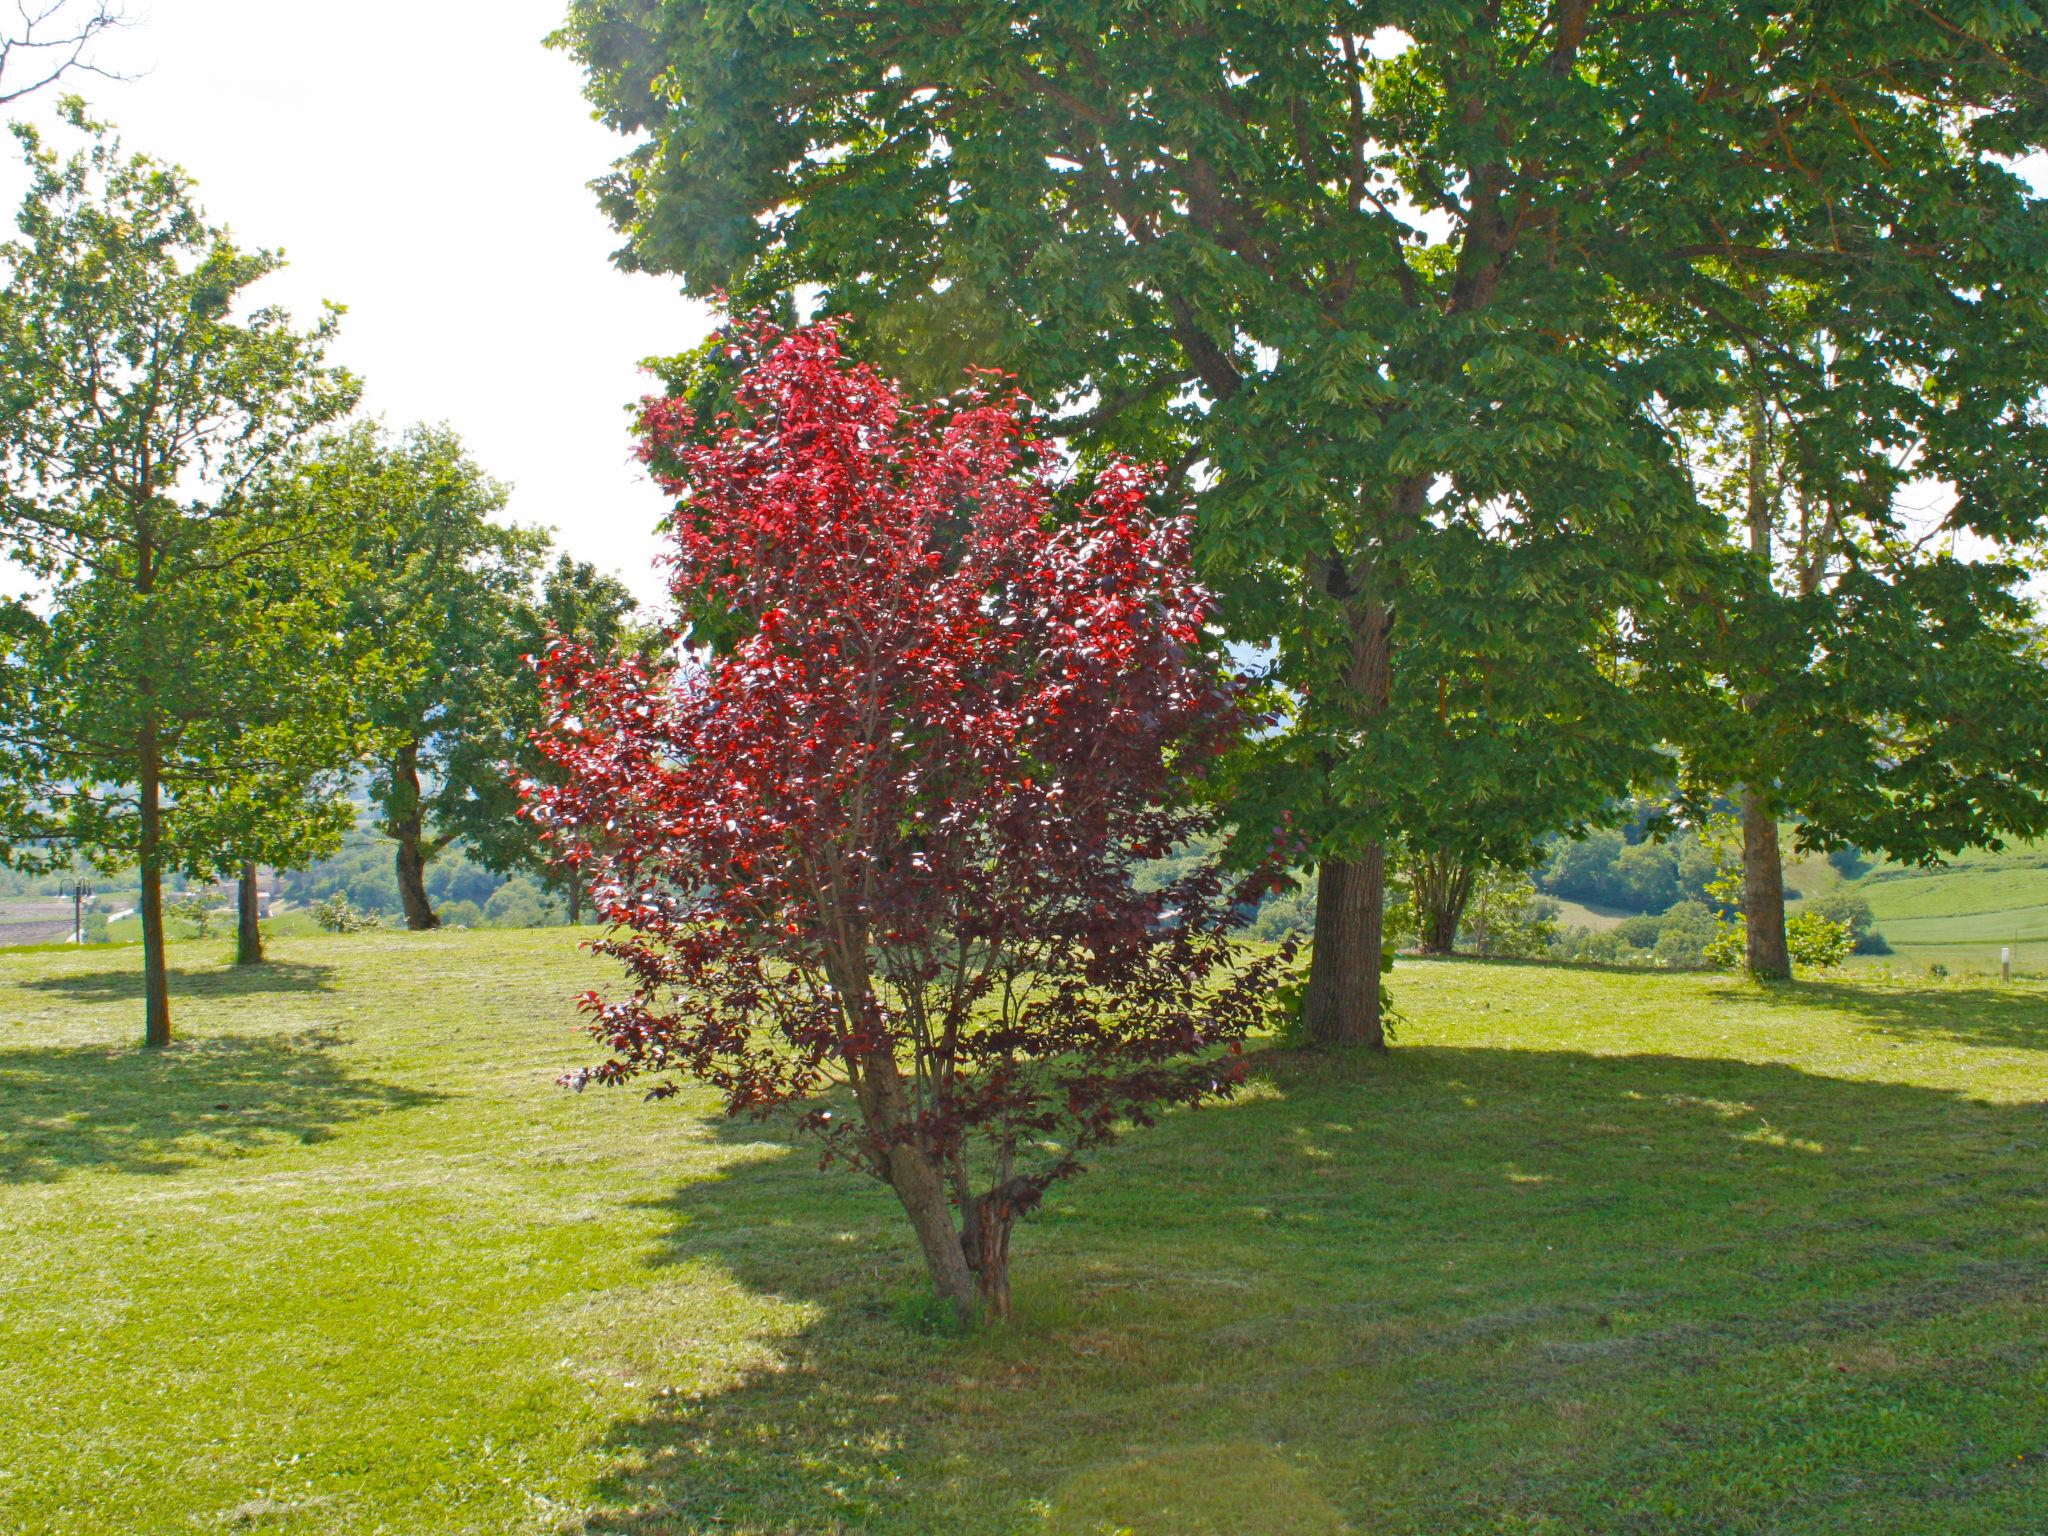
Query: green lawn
[[1587, 1253]]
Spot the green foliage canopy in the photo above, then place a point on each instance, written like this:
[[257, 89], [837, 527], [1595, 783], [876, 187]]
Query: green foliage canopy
[[180, 683]]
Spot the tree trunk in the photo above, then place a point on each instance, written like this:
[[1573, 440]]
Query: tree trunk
[[1763, 870], [407, 829], [1763, 891], [919, 1184], [1343, 1002], [248, 936], [1443, 888], [575, 901], [156, 980]]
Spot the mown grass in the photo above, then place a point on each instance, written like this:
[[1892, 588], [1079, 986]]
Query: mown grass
[[1588, 1252]]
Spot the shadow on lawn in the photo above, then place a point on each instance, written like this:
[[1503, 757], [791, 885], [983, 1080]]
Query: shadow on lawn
[[214, 982], [1969, 1015], [1343, 1296], [66, 1108]]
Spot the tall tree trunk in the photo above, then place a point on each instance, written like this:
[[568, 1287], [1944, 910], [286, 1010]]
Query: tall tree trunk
[[1443, 888], [1763, 869], [1343, 1002], [1763, 891], [405, 824], [156, 980], [248, 936], [575, 900]]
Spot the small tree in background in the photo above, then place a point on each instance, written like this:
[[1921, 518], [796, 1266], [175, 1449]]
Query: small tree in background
[[885, 836], [443, 583], [584, 606]]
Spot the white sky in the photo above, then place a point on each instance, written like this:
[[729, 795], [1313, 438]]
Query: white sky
[[423, 162]]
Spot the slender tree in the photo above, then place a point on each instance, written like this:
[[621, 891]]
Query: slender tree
[[885, 835], [578, 604], [183, 641], [446, 588]]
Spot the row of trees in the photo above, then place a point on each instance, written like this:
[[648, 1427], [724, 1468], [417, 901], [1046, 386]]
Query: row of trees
[[239, 603], [1550, 383], [1553, 381]]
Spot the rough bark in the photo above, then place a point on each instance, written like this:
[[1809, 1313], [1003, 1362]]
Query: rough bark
[[919, 1186], [1343, 1002], [248, 935], [988, 1243], [407, 829], [1763, 892], [1763, 869], [156, 981]]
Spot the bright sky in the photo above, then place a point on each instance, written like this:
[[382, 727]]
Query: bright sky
[[423, 162]]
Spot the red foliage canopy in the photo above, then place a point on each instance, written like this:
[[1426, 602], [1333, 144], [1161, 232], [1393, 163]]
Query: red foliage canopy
[[884, 836]]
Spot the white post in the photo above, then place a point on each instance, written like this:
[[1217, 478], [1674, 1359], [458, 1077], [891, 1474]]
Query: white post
[[2005, 962]]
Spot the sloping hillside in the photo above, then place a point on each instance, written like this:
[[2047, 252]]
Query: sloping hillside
[[1964, 911]]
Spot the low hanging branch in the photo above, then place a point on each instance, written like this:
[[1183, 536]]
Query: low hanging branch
[[883, 837]]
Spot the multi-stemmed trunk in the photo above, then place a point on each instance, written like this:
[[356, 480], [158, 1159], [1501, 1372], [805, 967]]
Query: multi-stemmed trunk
[[1442, 885], [248, 935], [908, 1170], [406, 826]]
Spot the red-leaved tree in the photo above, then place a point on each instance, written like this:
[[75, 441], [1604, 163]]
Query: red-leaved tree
[[882, 836]]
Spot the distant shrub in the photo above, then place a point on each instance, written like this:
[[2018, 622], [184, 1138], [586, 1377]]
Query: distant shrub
[[1507, 916], [1938, 971], [1291, 914], [1640, 931], [462, 914], [1818, 943], [338, 915], [1853, 912], [1585, 946], [1688, 927], [522, 903], [1813, 941], [195, 910], [1849, 863]]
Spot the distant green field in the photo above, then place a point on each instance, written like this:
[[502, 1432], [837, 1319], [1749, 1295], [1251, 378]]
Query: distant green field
[[1963, 912]]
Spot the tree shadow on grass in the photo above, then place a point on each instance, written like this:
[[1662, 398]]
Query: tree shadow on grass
[[1458, 1289], [68, 1108], [214, 982], [1968, 1015]]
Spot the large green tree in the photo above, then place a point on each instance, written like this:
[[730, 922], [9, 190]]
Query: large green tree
[[1406, 290], [1872, 668], [449, 587], [184, 648]]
